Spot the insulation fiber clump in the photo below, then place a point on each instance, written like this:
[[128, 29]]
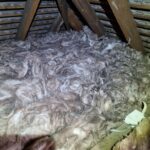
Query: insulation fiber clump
[[72, 86]]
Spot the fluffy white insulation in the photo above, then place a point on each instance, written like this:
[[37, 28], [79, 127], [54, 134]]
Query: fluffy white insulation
[[72, 86]]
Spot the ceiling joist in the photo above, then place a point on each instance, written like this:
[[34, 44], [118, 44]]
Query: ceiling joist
[[124, 17], [29, 13], [89, 15], [74, 21], [63, 7], [55, 27]]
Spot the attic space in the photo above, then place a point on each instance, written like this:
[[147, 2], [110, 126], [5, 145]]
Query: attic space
[[75, 75]]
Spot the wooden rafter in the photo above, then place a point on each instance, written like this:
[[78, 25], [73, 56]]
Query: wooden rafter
[[74, 21], [124, 17], [137, 5], [87, 12], [29, 13], [63, 7], [55, 27]]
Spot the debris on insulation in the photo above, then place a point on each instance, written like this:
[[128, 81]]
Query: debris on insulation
[[138, 139], [70, 87]]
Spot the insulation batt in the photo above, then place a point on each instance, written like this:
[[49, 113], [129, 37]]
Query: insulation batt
[[71, 85]]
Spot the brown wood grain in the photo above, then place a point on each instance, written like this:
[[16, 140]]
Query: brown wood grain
[[89, 15], [57, 24], [63, 7], [29, 13], [124, 17], [74, 21]]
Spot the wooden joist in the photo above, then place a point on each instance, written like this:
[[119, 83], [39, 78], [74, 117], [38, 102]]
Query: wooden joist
[[29, 13], [63, 7], [136, 5], [57, 24], [74, 21], [124, 17], [89, 15]]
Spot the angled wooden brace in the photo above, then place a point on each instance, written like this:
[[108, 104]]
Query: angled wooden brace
[[71, 20], [57, 24], [29, 13], [121, 11], [89, 15], [63, 7], [74, 21]]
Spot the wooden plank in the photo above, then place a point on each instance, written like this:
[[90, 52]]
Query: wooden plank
[[29, 13], [142, 23], [21, 5], [121, 10], [136, 5], [16, 25], [74, 21], [145, 32], [63, 7], [97, 1], [145, 39], [87, 12], [140, 14], [16, 13], [57, 24], [18, 19], [6, 37], [140, 5]]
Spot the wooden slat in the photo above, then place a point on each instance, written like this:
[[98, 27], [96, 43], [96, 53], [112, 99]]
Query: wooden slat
[[147, 50], [141, 14], [6, 37], [16, 13], [63, 7], [16, 25], [147, 45], [87, 12], [142, 23], [125, 19], [145, 39], [20, 5], [145, 32], [29, 13], [34, 28], [138, 5]]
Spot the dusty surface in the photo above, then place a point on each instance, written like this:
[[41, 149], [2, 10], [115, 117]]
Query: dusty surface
[[71, 85]]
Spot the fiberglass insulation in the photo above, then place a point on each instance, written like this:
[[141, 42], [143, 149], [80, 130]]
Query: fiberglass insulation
[[72, 85]]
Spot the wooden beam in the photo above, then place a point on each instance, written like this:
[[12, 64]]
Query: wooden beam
[[87, 12], [63, 7], [29, 13], [74, 21], [57, 24], [136, 5], [121, 11]]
